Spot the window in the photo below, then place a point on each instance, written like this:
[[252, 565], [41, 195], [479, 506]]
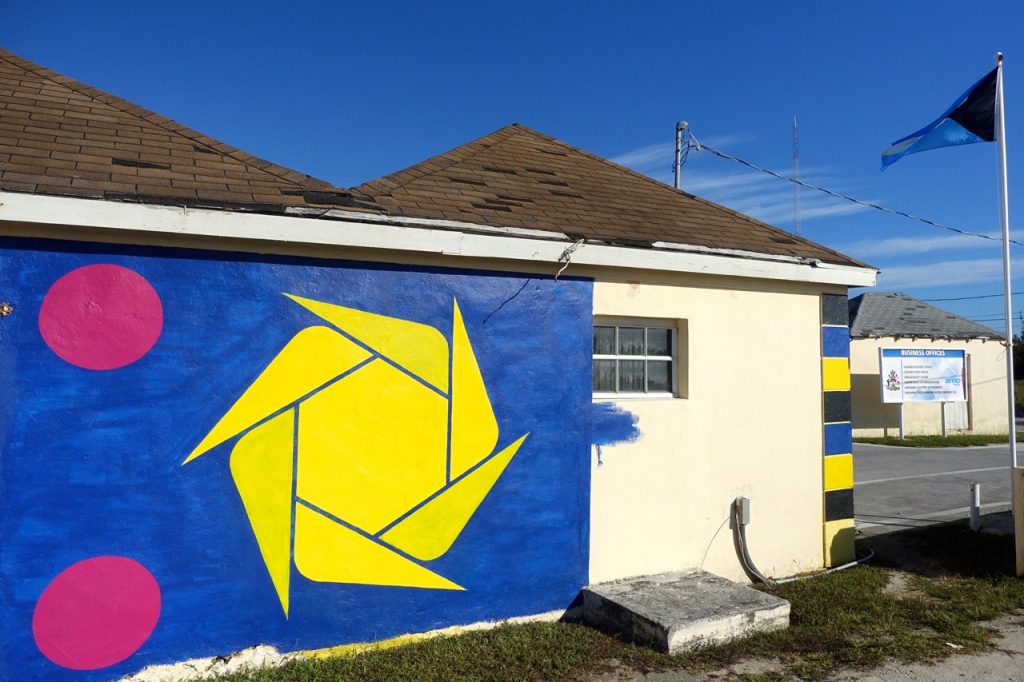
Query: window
[[634, 360]]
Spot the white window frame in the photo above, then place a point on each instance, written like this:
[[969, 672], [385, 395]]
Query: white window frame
[[616, 323]]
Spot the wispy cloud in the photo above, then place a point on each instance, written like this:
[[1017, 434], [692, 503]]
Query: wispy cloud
[[645, 157], [944, 273], [772, 209], [756, 194], [903, 246], [662, 154]]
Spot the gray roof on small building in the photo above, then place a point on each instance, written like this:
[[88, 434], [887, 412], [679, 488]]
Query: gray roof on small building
[[875, 315]]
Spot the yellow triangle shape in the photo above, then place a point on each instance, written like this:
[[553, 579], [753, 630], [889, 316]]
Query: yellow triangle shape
[[417, 347], [474, 428], [261, 465], [329, 552], [313, 357], [429, 531]]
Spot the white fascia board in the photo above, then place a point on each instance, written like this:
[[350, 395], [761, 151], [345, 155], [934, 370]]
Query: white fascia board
[[368, 231]]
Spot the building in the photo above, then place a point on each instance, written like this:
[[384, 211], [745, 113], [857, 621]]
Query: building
[[895, 320], [241, 405]]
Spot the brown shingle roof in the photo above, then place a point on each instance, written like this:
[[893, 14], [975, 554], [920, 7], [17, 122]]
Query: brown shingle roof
[[517, 177], [58, 136]]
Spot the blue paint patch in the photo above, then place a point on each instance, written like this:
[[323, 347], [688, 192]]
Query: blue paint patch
[[835, 342], [838, 438], [612, 425], [91, 461]]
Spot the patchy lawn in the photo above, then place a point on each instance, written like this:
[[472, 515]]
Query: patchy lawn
[[959, 440], [851, 619]]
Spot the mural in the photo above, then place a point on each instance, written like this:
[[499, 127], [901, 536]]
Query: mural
[[358, 451], [202, 452]]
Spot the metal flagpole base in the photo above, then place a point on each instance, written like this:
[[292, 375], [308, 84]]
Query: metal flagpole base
[[1018, 517]]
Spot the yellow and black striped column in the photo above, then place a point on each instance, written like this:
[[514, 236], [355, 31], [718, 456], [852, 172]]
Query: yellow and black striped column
[[838, 435]]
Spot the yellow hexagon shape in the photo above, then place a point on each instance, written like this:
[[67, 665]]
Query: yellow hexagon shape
[[365, 448]]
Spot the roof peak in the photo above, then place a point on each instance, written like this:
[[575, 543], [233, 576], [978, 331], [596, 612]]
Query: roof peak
[[894, 313], [481, 181], [84, 142]]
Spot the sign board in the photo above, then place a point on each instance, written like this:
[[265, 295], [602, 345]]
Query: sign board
[[923, 375]]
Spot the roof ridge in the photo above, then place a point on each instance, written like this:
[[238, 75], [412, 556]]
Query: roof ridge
[[873, 303], [301, 180], [478, 146], [664, 187]]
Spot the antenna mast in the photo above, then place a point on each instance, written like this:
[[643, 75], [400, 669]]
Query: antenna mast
[[796, 175], [677, 167]]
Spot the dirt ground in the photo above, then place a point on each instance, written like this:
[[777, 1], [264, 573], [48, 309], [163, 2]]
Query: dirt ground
[[1004, 664]]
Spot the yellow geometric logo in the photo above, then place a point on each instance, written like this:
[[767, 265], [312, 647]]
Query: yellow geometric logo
[[364, 451]]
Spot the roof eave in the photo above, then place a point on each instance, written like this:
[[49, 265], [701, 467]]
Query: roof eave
[[419, 235]]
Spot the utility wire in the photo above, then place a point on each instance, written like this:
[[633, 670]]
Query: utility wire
[[971, 298], [845, 197]]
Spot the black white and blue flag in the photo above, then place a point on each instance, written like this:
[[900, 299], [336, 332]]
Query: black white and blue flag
[[970, 119]]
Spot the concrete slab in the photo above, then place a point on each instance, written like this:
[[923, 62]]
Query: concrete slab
[[682, 611]]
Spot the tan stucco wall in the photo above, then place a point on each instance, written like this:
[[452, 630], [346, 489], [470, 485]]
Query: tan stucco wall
[[987, 404], [750, 425]]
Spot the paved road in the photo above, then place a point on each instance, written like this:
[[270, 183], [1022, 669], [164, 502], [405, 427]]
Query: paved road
[[897, 488]]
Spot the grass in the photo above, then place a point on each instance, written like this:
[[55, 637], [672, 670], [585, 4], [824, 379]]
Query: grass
[[958, 440], [534, 651], [849, 619]]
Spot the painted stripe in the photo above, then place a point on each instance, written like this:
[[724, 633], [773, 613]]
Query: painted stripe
[[837, 406], [941, 473], [835, 374], [839, 545], [839, 504], [838, 472], [835, 342], [835, 309], [918, 520], [838, 439]]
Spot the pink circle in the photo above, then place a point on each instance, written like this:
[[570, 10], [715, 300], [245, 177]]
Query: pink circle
[[101, 317], [96, 613]]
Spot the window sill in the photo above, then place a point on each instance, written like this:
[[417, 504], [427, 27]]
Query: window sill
[[613, 397]]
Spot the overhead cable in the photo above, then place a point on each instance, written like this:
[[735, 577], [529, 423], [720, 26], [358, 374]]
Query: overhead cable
[[693, 142], [970, 298]]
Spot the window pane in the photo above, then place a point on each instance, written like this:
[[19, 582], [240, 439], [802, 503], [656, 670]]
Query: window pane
[[604, 376], [659, 342], [631, 376], [659, 376], [604, 340], [631, 340]]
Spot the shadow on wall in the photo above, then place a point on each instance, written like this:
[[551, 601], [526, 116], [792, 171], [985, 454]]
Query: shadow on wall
[[842, 546], [868, 410]]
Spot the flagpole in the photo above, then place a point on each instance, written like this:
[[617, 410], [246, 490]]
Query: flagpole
[[1016, 475], [1004, 214]]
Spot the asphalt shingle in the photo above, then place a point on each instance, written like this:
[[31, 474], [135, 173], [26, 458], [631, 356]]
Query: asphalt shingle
[[518, 177], [61, 137], [895, 314]]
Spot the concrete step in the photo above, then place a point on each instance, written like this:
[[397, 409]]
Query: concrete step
[[682, 611]]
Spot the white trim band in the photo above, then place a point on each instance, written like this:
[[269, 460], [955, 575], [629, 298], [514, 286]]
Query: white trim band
[[370, 231]]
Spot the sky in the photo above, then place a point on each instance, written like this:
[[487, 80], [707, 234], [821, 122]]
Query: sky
[[351, 91]]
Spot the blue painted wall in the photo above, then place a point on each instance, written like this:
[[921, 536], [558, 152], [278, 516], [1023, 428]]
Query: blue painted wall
[[91, 460]]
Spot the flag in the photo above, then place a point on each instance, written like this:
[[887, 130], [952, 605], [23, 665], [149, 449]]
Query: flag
[[970, 119]]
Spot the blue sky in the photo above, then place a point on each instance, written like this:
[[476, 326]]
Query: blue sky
[[352, 91]]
